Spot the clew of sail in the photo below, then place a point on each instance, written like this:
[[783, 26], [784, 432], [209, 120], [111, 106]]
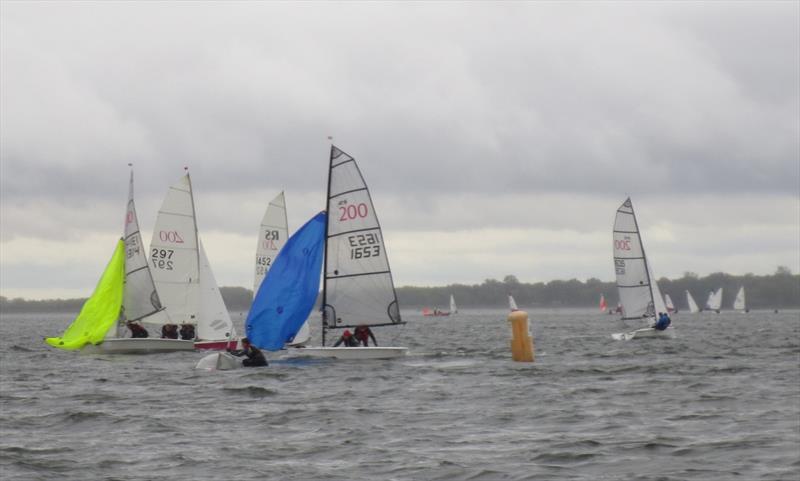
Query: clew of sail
[[141, 300], [174, 255], [288, 293], [271, 236], [358, 287], [637, 291], [101, 310], [692, 304]]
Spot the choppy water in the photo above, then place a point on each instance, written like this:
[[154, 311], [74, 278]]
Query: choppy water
[[720, 402]]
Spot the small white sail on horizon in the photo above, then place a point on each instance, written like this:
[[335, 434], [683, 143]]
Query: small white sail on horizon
[[453, 308], [512, 304], [692, 304], [739, 303], [714, 302], [668, 303], [272, 234]]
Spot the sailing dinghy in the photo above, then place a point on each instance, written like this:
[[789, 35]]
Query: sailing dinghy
[[139, 302], [512, 304], [692, 304], [272, 235], [714, 301], [357, 281], [182, 273], [739, 304], [285, 298], [638, 290], [669, 304]]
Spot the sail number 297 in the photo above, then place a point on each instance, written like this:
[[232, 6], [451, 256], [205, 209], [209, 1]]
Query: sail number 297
[[364, 245], [162, 258]]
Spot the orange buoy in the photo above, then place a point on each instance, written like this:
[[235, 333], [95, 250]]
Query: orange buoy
[[521, 339]]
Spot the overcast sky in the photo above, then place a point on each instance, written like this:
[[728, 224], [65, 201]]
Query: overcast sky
[[496, 138]]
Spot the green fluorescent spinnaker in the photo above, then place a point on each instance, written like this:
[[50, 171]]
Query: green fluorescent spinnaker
[[101, 310]]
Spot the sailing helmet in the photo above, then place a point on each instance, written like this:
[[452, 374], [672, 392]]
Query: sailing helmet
[[346, 333]]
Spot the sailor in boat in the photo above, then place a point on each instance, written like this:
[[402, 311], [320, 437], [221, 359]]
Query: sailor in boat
[[137, 330], [187, 332], [169, 331], [663, 322], [348, 339], [363, 335], [254, 355]]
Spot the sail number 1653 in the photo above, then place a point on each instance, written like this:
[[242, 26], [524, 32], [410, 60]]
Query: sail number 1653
[[364, 245]]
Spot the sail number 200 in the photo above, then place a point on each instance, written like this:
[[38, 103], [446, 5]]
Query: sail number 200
[[622, 245], [352, 211], [364, 245]]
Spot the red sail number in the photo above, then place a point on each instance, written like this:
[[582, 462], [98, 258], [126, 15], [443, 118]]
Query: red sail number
[[353, 211], [170, 236], [622, 245]]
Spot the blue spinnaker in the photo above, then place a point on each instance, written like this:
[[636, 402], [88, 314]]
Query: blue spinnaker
[[287, 295]]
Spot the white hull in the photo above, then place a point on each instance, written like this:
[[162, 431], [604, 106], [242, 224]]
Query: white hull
[[642, 333], [219, 361], [350, 352], [130, 345]]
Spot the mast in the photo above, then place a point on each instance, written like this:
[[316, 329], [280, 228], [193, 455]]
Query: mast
[[325, 248], [644, 258], [196, 236]]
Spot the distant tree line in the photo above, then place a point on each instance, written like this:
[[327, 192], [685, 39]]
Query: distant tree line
[[777, 291]]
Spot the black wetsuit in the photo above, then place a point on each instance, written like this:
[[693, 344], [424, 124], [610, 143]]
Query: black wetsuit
[[138, 331], [254, 355], [349, 341]]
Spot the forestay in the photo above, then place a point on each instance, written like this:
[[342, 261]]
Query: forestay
[[271, 237], [174, 257], [141, 301], [358, 285], [639, 294]]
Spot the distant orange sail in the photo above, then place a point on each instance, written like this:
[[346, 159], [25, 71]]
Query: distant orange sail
[[603, 305]]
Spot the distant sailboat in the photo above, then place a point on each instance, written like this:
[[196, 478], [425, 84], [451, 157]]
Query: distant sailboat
[[692, 305], [739, 304], [512, 304], [638, 290], [603, 304], [714, 301], [453, 308], [669, 304]]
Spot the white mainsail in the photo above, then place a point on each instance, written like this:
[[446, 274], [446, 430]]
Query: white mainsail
[[739, 303], [638, 290], [512, 304], [453, 308], [714, 301], [141, 301], [181, 271], [358, 287], [692, 305], [272, 235]]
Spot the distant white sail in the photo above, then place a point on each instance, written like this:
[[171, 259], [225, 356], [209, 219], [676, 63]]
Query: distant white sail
[[638, 291], [714, 301], [669, 304], [358, 287], [453, 308], [739, 303], [512, 304], [692, 305], [271, 236], [141, 301]]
